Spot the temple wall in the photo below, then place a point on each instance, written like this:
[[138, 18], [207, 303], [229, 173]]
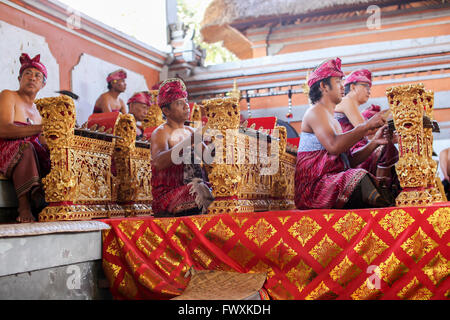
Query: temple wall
[[45, 27]]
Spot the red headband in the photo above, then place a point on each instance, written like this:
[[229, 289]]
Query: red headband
[[141, 97], [362, 75], [171, 90], [330, 68], [26, 63], [116, 75]]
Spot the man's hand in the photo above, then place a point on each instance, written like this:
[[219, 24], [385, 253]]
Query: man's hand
[[382, 136], [377, 121]]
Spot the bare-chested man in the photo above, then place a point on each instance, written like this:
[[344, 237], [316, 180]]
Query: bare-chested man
[[110, 101], [326, 175], [23, 156], [179, 189], [138, 106]]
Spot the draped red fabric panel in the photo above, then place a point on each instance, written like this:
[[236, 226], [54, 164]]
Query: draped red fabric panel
[[393, 253]]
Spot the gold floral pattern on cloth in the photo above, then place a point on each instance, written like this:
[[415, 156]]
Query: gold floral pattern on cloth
[[220, 234], [418, 245], [396, 254], [345, 272], [304, 230], [322, 292], [438, 269], [440, 220], [371, 247], [281, 254], [396, 222], [349, 226], [129, 228], [261, 232], [325, 251], [415, 291], [149, 242], [365, 292], [241, 253], [301, 275], [392, 269]]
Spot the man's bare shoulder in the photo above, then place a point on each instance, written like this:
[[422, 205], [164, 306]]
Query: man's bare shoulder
[[9, 94], [160, 132]]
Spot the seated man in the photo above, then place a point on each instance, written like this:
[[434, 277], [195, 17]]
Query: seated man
[[179, 189], [24, 158], [444, 161], [110, 101], [138, 106], [326, 175], [357, 92]]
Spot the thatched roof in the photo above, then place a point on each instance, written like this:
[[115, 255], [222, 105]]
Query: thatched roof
[[221, 12], [222, 17]]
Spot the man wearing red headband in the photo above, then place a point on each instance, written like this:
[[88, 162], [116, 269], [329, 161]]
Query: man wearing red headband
[[179, 189], [110, 101], [357, 92], [24, 158], [326, 174], [138, 106]]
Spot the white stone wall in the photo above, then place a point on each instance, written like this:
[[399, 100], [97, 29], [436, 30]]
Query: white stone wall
[[13, 42], [89, 82]]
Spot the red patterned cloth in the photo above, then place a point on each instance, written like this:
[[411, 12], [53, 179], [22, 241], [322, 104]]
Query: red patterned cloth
[[323, 181], [362, 75], [329, 68], [27, 62], [170, 194], [24, 161], [11, 151], [141, 97], [171, 90], [117, 75], [382, 254]]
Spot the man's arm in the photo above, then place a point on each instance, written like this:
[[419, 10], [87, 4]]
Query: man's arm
[[334, 143], [380, 138], [354, 116], [123, 108], [443, 159], [8, 130]]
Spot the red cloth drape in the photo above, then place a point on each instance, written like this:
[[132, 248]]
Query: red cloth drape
[[320, 254]]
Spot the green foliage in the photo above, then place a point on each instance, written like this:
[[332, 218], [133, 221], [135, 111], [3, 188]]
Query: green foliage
[[191, 12]]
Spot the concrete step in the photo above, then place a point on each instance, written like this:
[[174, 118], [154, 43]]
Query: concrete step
[[52, 261]]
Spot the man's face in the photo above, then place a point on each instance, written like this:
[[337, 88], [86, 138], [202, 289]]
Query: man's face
[[337, 91], [179, 111], [119, 85], [32, 80], [139, 110], [362, 91]]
